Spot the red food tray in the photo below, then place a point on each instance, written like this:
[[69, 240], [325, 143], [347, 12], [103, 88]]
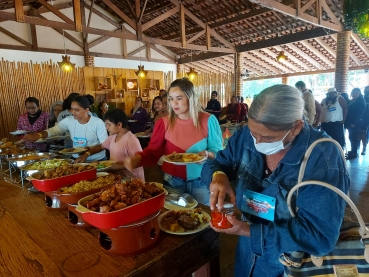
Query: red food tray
[[124, 216], [72, 198], [57, 183]]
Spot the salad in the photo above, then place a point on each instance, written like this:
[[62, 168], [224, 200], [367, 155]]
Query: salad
[[47, 164]]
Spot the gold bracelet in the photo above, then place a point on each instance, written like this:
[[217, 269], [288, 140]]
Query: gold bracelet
[[218, 172]]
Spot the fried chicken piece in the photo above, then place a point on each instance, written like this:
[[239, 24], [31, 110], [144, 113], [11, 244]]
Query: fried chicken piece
[[120, 205], [187, 222], [104, 209]]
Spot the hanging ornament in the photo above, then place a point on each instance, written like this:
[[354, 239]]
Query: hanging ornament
[[65, 64], [141, 72], [281, 57], [192, 74]]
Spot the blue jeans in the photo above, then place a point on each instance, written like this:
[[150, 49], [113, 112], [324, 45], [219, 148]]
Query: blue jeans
[[195, 187]]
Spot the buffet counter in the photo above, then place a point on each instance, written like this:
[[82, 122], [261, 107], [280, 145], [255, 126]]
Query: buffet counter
[[37, 241]]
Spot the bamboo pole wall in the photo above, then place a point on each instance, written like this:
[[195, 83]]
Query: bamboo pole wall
[[205, 83], [45, 81]]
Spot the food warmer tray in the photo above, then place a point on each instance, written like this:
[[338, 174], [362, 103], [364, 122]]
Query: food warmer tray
[[7, 155], [31, 171], [124, 216], [57, 183], [17, 160], [72, 198]]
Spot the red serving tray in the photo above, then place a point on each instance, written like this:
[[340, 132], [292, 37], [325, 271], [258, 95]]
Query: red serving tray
[[122, 217], [72, 198], [57, 183]]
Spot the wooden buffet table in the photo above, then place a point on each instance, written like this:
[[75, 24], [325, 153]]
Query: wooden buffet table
[[35, 241]]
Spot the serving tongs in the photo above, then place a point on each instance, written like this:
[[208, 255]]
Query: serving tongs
[[180, 200]]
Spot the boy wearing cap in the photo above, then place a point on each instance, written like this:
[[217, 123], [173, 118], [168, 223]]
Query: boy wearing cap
[[334, 115]]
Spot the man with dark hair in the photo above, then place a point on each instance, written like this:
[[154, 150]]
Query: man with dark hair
[[312, 107], [213, 105]]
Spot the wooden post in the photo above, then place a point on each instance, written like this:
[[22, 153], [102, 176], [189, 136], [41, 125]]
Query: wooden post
[[33, 32], [284, 80], [77, 15], [182, 26], [19, 12], [238, 71], [342, 61], [208, 38], [139, 24]]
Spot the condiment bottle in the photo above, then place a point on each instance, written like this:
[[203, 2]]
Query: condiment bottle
[[219, 216]]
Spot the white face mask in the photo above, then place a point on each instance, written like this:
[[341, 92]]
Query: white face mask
[[270, 148]]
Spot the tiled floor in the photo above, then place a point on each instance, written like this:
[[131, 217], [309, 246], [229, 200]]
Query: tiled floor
[[359, 193]]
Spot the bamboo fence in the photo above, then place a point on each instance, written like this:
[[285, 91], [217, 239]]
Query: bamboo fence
[[205, 83], [45, 81]]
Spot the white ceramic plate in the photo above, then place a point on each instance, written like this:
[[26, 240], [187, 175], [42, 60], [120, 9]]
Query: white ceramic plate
[[201, 227], [75, 151], [19, 132], [107, 165], [171, 206], [142, 135], [166, 159]]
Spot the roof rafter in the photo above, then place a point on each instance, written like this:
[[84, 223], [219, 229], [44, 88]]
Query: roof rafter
[[293, 58], [285, 63], [305, 56], [317, 53]]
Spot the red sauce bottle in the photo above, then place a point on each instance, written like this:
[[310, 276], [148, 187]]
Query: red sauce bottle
[[219, 216]]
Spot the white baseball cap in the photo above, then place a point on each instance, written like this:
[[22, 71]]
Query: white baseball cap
[[332, 90]]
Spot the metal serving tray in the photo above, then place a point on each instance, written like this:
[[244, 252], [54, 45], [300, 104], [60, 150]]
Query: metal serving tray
[[18, 160]]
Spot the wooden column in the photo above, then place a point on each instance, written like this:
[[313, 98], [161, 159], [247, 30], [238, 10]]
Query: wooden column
[[90, 61], [284, 80], [179, 71], [238, 69], [342, 61]]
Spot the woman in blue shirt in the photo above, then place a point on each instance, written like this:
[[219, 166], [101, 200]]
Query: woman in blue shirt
[[263, 160]]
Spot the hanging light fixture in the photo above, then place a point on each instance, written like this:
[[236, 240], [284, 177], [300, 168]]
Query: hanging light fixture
[[192, 74], [65, 64], [141, 72], [356, 15], [281, 57]]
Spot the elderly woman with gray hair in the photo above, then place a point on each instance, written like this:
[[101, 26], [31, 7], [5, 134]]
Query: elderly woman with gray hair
[[263, 160]]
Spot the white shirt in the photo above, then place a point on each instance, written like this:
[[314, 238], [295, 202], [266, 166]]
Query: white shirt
[[90, 134], [333, 112]]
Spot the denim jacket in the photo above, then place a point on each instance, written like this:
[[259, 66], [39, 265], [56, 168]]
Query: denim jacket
[[315, 230]]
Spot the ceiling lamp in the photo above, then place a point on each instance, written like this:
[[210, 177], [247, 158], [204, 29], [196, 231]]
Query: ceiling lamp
[[65, 64], [141, 72], [281, 57], [356, 15], [192, 74]]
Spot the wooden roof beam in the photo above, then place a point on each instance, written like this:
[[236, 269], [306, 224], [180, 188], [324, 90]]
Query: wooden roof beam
[[279, 7], [318, 54], [213, 67], [219, 64], [200, 68], [55, 11], [360, 43], [103, 16], [261, 63], [153, 47], [261, 71], [272, 61], [326, 46], [13, 36], [305, 56], [160, 18], [248, 66], [121, 14]]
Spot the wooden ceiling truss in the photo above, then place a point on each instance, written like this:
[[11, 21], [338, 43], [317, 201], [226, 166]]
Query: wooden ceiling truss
[[203, 35]]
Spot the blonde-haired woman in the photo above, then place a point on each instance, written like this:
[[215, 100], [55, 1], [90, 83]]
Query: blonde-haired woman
[[185, 129]]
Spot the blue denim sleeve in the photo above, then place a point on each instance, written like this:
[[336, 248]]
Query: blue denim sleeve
[[315, 230], [214, 135], [224, 161]]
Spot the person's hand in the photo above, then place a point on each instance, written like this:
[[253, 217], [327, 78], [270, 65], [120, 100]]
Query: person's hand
[[81, 159], [31, 137], [117, 166], [203, 153], [239, 228], [132, 162], [219, 187]]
